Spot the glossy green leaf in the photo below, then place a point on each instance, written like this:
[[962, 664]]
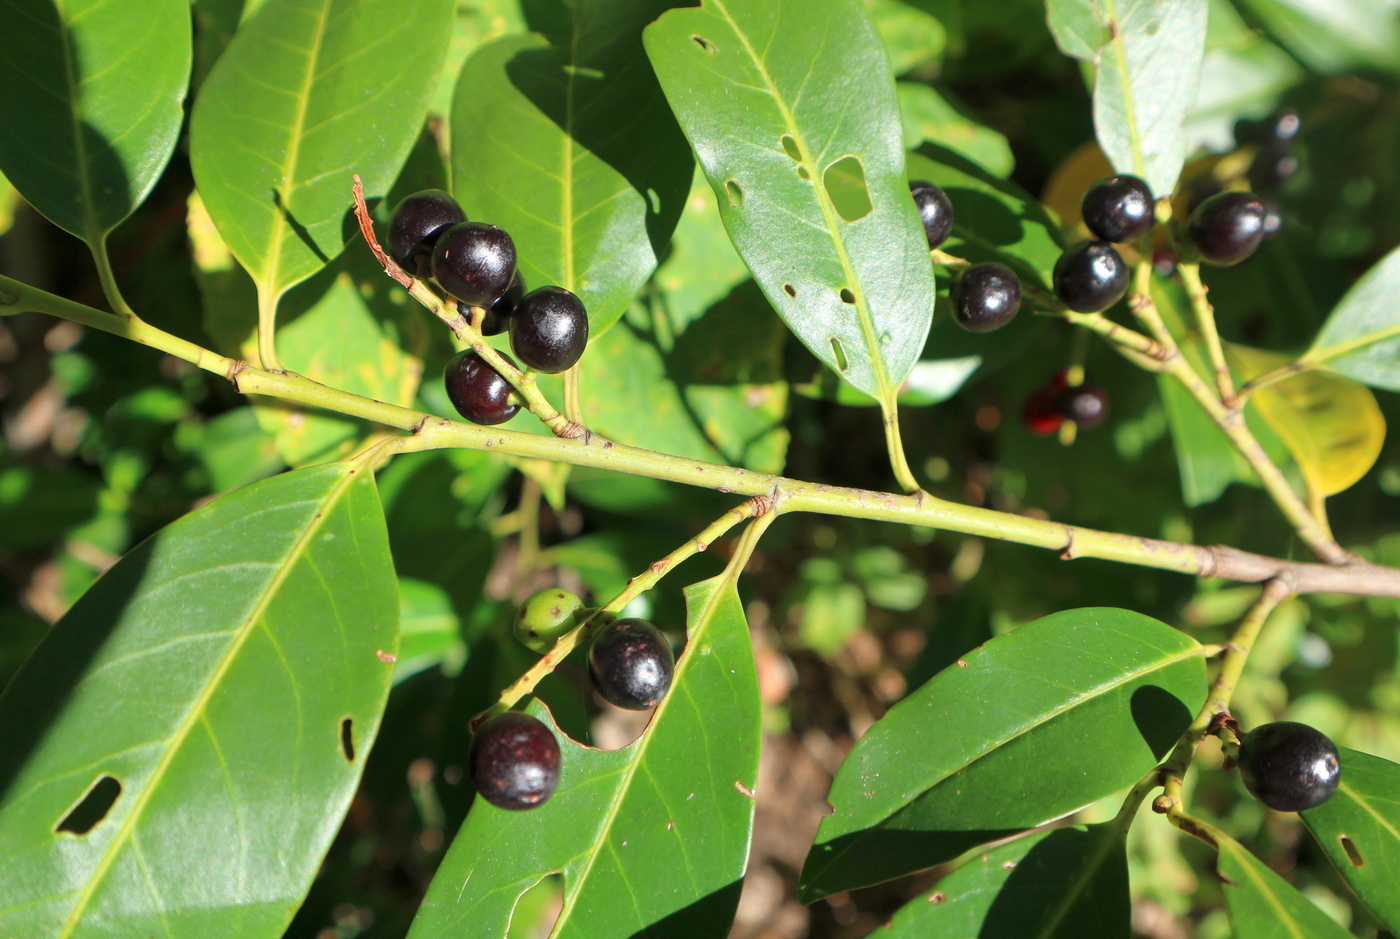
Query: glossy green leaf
[[309, 93], [1265, 906], [1205, 458], [1334, 35], [1359, 830], [807, 165], [92, 98], [1243, 76], [997, 745], [565, 140], [929, 117], [429, 631], [913, 37], [1361, 339], [227, 677], [651, 839], [993, 220], [1147, 55], [1068, 882], [702, 267]]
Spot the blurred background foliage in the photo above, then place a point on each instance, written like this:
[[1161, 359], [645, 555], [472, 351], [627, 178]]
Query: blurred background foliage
[[103, 443]]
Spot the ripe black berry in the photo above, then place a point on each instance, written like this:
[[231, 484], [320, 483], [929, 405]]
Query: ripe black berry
[[1090, 276], [416, 224], [546, 616], [631, 664], [474, 262], [549, 330], [498, 314], [1118, 208], [985, 297], [514, 761], [1086, 405], [1289, 766], [935, 211], [478, 392], [1226, 228]]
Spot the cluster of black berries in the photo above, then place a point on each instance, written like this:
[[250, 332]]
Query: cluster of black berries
[[514, 760], [1289, 766], [1052, 404], [985, 296], [475, 263]]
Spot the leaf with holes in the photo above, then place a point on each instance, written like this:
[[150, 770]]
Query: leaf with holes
[[807, 163], [564, 140], [1361, 339], [1265, 906], [1147, 55], [93, 98], [651, 839], [308, 93], [994, 744], [1359, 830], [1069, 882], [181, 748], [1333, 426]]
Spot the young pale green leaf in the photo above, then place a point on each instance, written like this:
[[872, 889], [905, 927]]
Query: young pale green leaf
[[651, 839], [806, 161], [91, 99], [1336, 35], [1068, 883], [1359, 830], [223, 683], [1265, 906], [1361, 339], [307, 94], [565, 140], [1147, 55], [1028, 727]]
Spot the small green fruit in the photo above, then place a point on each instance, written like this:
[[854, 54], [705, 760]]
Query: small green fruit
[[546, 616]]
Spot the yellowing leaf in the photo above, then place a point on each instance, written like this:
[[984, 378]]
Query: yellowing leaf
[[1331, 425]]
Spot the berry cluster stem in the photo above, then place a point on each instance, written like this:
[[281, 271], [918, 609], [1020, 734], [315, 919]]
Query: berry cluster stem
[[1190, 275]]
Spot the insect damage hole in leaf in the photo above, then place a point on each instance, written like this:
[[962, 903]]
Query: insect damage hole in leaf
[[735, 193], [841, 363], [790, 290], [347, 739], [847, 296], [704, 43], [92, 807], [790, 148], [845, 184], [1353, 853]]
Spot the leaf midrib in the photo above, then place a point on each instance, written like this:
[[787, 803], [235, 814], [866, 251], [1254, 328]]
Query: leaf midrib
[[1320, 355], [197, 711], [1281, 912], [1120, 53]]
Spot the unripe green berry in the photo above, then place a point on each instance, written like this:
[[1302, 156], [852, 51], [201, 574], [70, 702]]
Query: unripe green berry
[[546, 616]]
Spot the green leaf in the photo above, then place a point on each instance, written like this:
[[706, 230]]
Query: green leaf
[[1068, 882], [1335, 36], [565, 141], [651, 839], [1206, 459], [307, 94], [996, 743], [1359, 830], [1265, 906], [1361, 339], [429, 630], [702, 266], [92, 97], [808, 169], [913, 37], [1242, 76], [226, 676], [1147, 55], [929, 117]]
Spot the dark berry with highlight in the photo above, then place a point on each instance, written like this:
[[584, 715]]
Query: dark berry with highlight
[[1289, 766], [935, 211], [631, 664], [549, 330], [417, 222], [985, 297], [1090, 276], [474, 262], [1226, 228], [514, 761], [1118, 208], [478, 392]]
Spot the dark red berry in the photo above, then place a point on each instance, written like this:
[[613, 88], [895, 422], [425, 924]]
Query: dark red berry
[[631, 664], [474, 262], [1086, 405], [1118, 208], [1289, 766], [985, 297], [498, 314], [1226, 228], [935, 211], [549, 330], [478, 392], [514, 761], [1041, 412], [416, 224], [1090, 276]]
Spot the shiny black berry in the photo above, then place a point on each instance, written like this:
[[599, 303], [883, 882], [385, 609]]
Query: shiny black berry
[[549, 330], [935, 211], [1086, 405], [416, 224], [1090, 276], [631, 664], [1118, 208], [514, 761], [478, 392], [985, 297], [1289, 766], [1226, 228], [474, 262], [498, 314]]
